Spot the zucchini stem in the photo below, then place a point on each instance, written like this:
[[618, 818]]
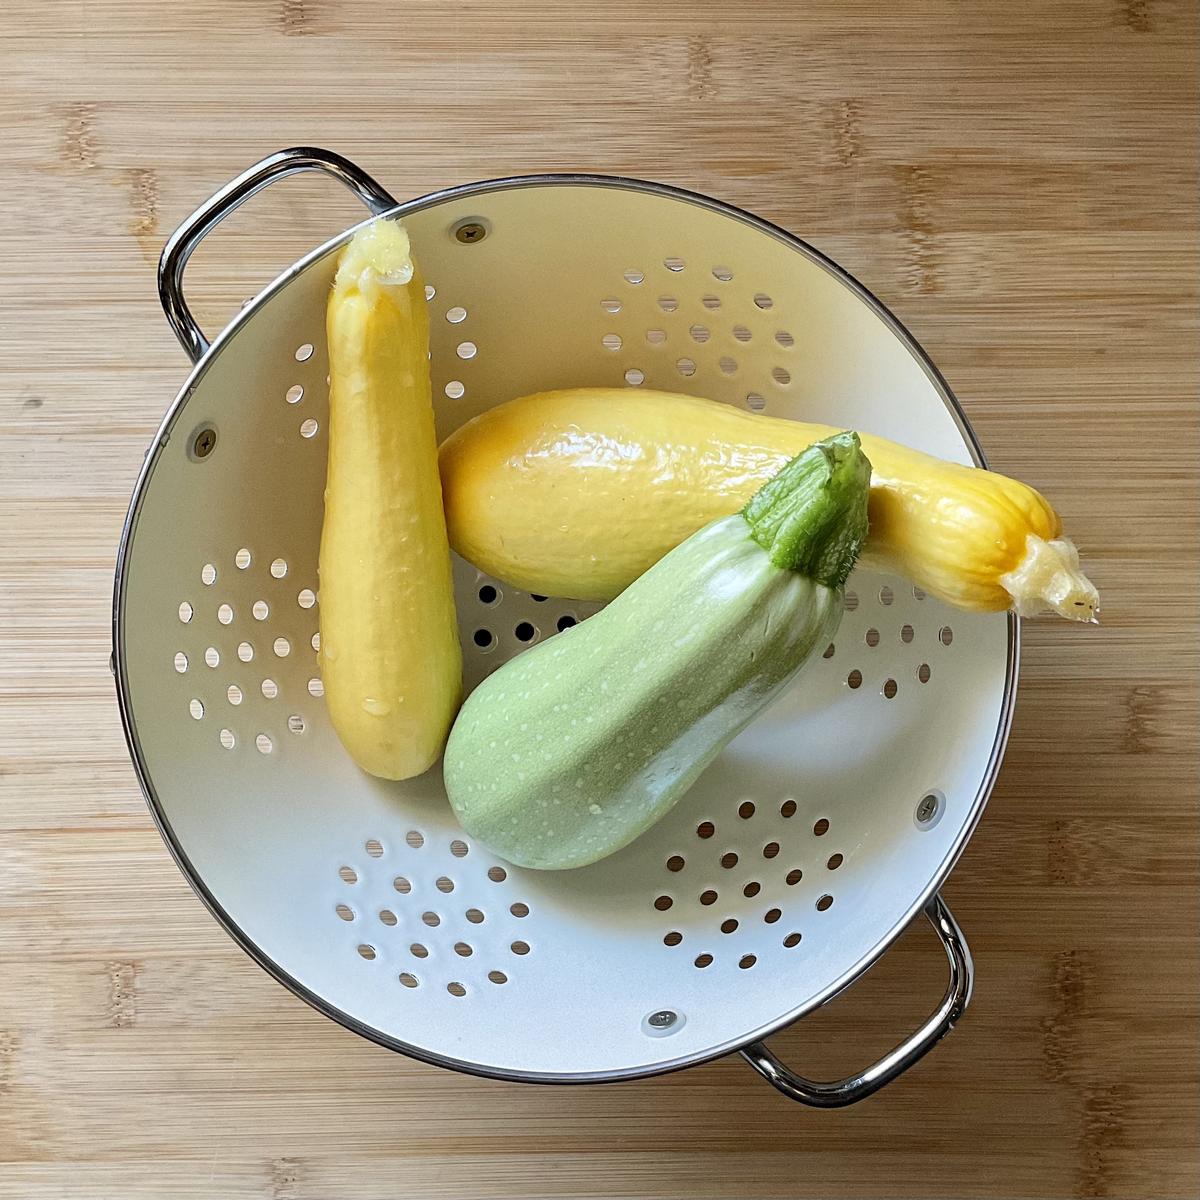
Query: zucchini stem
[[378, 256], [811, 517], [1049, 577]]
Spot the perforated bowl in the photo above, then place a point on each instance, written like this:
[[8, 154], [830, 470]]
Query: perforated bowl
[[801, 854]]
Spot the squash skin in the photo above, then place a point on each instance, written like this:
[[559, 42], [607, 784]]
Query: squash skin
[[581, 743], [390, 657], [575, 493]]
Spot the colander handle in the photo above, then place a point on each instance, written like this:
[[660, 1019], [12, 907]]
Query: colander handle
[[213, 211], [858, 1087]]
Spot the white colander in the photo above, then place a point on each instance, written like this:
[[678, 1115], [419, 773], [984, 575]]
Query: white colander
[[801, 854]]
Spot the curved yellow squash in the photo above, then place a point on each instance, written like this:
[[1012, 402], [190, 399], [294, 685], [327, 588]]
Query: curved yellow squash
[[576, 493], [390, 657]]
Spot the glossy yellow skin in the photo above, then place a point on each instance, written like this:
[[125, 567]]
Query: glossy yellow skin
[[576, 493], [390, 657]]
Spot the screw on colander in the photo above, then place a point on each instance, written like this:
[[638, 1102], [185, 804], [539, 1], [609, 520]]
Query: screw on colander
[[928, 808], [204, 442], [470, 232]]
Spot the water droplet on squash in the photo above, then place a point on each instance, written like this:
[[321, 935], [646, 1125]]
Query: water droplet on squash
[[377, 708]]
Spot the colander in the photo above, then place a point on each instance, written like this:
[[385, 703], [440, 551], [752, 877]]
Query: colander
[[801, 854]]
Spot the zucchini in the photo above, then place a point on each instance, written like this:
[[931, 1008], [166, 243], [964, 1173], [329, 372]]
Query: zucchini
[[576, 492], [390, 656], [574, 748]]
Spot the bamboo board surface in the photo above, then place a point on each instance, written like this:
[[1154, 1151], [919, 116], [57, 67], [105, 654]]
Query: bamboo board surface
[[1018, 182]]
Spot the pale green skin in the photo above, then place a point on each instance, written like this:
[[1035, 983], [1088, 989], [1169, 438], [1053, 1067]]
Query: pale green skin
[[576, 747]]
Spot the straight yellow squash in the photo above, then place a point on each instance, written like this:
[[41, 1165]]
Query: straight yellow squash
[[390, 658], [576, 493]]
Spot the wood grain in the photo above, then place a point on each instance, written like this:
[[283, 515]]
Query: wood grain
[[1017, 181]]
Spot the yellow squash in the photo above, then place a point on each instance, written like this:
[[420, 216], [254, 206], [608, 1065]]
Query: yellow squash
[[390, 657], [576, 493]]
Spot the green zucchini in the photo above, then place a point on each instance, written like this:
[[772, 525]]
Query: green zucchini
[[574, 748]]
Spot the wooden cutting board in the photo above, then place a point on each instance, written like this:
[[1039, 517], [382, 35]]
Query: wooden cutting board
[[1018, 181]]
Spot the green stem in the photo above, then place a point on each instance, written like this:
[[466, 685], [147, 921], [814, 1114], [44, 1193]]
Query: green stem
[[811, 517]]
